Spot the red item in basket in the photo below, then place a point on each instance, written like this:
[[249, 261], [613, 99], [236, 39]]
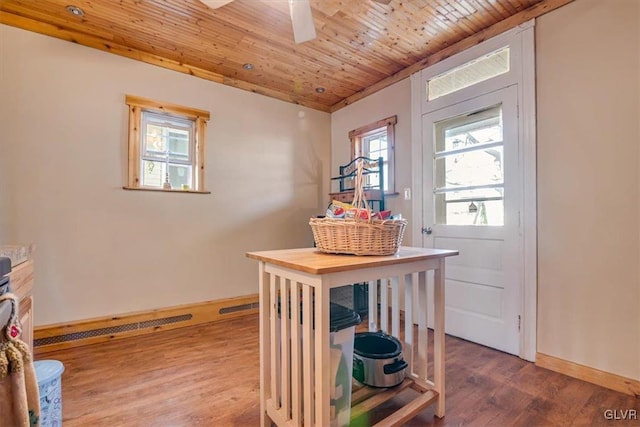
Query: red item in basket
[[384, 214], [362, 213]]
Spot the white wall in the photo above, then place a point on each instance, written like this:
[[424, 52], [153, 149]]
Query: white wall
[[102, 250], [588, 97], [4, 187], [393, 100]]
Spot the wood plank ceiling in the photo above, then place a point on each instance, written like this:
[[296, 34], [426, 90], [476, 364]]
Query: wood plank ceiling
[[362, 45]]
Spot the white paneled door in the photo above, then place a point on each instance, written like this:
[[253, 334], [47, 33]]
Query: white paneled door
[[471, 203]]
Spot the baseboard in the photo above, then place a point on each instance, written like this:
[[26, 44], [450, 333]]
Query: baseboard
[[588, 374], [91, 331]]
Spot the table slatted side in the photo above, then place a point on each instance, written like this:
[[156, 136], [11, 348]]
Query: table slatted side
[[291, 345], [415, 343]]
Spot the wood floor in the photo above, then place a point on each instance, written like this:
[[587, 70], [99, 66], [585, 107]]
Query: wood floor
[[209, 376]]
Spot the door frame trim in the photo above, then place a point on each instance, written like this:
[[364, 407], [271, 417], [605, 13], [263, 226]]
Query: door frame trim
[[521, 40], [527, 128]]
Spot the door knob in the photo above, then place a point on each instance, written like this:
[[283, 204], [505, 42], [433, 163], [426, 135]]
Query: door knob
[[427, 230]]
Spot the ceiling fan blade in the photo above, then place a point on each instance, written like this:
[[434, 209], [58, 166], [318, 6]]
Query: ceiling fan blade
[[382, 1], [302, 21], [214, 4]]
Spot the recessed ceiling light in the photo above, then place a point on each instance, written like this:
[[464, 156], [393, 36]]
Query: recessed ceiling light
[[320, 89], [247, 66], [75, 10]]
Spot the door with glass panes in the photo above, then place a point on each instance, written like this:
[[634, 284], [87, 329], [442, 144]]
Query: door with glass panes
[[470, 202]]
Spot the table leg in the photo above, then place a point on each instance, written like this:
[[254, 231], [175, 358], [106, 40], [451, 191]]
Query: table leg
[[265, 342], [408, 322], [395, 307], [423, 336], [438, 332], [373, 306], [296, 357], [384, 306], [285, 344], [274, 343], [322, 357], [308, 361]]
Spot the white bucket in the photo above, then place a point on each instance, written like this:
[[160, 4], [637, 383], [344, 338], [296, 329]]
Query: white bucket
[[49, 376], [341, 341]]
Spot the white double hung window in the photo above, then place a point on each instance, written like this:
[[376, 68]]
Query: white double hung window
[[376, 141], [166, 146]]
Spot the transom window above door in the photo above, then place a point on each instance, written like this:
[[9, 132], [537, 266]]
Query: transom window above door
[[469, 169], [475, 71]]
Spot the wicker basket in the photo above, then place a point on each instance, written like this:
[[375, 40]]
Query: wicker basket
[[358, 236]]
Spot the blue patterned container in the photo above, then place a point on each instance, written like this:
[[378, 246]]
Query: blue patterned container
[[49, 376]]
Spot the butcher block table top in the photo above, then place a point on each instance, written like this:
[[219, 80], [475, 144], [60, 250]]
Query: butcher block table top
[[311, 260]]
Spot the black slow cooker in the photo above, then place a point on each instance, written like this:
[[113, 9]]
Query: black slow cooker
[[377, 359]]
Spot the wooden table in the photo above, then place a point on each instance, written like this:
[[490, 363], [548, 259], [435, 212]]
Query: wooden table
[[294, 383]]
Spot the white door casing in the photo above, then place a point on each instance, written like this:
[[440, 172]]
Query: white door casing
[[520, 81]]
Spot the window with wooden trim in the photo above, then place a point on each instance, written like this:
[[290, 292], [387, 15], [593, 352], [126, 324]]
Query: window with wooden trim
[[377, 140], [166, 146]]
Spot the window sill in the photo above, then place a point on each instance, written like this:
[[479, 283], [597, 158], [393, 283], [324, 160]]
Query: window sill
[[394, 194], [165, 190]]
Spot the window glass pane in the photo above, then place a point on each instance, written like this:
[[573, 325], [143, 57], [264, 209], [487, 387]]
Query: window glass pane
[[152, 173], [385, 178], [375, 146], [179, 143], [376, 155], [470, 153], [485, 131], [471, 212], [474, 194], [155, 143], [469, 130], [179, 175], [374, 143], [166, 137], [372, 180], [476, 71], [477, 167]]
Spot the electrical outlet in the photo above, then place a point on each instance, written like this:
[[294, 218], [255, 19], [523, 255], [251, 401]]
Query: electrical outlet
[[407, 194]]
